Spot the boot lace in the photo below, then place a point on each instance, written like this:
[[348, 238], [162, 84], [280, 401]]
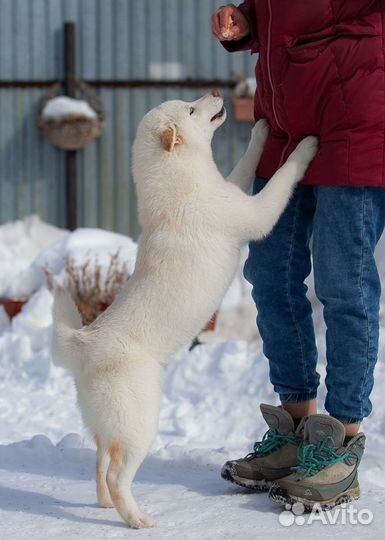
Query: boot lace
[[312, 458], [270, 442]]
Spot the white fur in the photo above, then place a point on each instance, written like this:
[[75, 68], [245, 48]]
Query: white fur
[[194, 223]]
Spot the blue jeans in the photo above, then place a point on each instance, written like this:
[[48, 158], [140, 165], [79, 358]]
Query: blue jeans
[[345, 224]]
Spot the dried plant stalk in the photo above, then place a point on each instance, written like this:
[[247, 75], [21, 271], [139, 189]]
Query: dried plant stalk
[[92, 292]]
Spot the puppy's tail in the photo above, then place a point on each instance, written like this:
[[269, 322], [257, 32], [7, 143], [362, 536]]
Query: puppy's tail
[[66, 323]]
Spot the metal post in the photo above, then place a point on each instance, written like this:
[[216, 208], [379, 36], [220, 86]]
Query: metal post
[[70, 90]]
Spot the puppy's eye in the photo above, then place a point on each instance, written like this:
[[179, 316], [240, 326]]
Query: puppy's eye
[[191, 111]]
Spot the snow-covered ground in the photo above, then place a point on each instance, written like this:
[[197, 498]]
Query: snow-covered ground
[[210, 412]]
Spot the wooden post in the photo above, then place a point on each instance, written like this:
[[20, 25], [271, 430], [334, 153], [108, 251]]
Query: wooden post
[[70, 90]]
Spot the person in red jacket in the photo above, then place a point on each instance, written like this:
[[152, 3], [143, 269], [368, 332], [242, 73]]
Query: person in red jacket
[[320, 71]]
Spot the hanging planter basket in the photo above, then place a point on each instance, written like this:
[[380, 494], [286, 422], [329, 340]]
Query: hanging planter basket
[[72, 132]]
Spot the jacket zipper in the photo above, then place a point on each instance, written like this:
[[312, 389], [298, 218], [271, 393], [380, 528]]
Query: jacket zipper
[[271, 82]]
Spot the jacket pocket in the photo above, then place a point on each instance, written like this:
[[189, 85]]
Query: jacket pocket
[[306, 51], [307, 48]]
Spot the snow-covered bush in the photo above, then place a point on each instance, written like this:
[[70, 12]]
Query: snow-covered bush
[[93, 287]]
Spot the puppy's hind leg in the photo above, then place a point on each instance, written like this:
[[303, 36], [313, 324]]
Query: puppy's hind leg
[[121, 472], [102, 463]]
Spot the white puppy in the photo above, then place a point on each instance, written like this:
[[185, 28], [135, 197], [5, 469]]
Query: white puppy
[[194, 223]]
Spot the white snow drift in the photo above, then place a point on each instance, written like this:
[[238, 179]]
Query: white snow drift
[[209, 413]]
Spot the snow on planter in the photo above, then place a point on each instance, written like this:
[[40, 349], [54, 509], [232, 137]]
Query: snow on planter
[[63, 106]]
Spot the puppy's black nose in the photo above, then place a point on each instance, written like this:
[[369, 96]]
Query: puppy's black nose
[[216, 93]]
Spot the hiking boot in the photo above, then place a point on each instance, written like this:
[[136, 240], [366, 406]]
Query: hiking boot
[[272, 458], [326, 474]]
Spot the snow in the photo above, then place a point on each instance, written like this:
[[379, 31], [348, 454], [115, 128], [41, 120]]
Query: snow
[[20, 243], [63, 106], [46, 248], [210, 413]]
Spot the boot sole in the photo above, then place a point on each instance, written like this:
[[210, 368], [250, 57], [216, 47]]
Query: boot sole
[[277, 494], [260, 486]]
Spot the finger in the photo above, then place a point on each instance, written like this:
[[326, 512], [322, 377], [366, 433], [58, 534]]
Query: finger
[[235, 32], [215, 26]]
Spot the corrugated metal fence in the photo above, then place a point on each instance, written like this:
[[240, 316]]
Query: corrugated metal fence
[[117, 40]]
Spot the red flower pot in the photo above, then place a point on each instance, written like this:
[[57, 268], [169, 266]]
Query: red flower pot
[[12, 307], [243, 109]]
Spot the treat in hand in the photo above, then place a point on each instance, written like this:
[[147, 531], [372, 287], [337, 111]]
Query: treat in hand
[[228, 23], [226, 32]]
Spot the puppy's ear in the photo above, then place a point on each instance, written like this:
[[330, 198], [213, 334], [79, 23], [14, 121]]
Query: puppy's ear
[[170, 137]]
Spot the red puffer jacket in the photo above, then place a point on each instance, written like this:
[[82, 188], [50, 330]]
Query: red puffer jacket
[[321, 72]]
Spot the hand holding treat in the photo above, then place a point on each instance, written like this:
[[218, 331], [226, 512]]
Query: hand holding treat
[[229, 23]]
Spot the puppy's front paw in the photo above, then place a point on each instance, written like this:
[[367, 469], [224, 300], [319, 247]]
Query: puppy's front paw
[[260, 132], [306, 150]]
